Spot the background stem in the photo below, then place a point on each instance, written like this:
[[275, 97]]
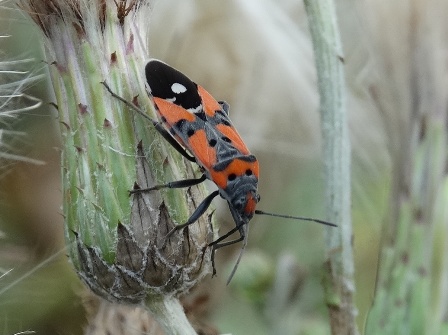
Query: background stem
[[339, 285]]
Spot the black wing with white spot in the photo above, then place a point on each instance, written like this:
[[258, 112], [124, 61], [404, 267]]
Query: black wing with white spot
[[167, 83]]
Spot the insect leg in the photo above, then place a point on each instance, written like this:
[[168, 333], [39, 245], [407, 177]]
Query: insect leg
[[215, 244], [171, 140], [162, 131], [243, 230], [195, 216], [172, 184], [244, 233]]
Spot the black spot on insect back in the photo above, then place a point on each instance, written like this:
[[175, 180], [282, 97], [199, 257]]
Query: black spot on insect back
[[190, 132], [201, 115], [180, 124]]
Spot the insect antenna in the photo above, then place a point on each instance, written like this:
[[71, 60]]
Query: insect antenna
[[295, 218]]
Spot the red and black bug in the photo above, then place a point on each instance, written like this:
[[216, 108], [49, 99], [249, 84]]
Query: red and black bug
[[199, 127]]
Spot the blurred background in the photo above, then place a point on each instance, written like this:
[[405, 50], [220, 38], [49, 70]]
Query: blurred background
[[256, 55]]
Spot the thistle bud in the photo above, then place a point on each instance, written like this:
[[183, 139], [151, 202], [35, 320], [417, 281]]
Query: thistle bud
[[117, 241]]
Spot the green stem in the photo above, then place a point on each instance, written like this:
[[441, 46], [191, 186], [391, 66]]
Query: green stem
[[336, 149], [114, 239], [170, 314]]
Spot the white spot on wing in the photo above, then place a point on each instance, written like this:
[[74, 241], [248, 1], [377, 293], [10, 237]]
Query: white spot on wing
[[178, 88], [195, 110]]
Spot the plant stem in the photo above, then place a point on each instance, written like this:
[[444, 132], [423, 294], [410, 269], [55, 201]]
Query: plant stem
[[340, 285], [170, 314], [114, 240]]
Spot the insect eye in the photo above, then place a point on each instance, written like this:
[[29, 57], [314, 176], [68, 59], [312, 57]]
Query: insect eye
[[231, 176], [248, 172], [212, 142]]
